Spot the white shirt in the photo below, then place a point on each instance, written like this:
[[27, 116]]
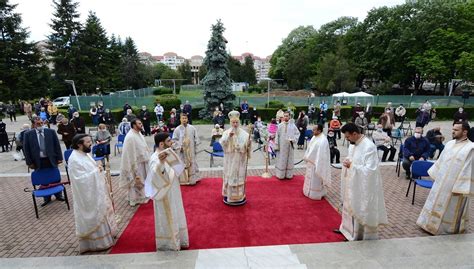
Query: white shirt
[[159, 109], [42, 154]]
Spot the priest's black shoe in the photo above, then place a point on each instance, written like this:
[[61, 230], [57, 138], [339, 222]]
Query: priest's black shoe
[[60, 199], [337, 231], [45, 203]]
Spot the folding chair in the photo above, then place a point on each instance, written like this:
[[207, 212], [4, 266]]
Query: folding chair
[[106, 151], [217, 151], [397, 135], [46, 177], [419, 169], [399, 160], [370, 129], [11, 140], [67, 154], [119, 145]]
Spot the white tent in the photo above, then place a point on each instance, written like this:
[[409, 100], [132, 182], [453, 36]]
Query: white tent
[[360, 94], [340, 94]]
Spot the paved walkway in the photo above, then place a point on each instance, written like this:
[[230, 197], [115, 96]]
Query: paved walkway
[[22, 235], [454, 251], [53, 234]]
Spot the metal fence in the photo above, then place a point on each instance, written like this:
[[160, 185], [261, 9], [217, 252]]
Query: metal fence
[[145, 97]]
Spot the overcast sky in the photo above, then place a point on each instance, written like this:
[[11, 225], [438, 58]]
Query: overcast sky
[[160, 26]]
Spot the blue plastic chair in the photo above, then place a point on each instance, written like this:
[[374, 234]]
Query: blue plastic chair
[[106, 151], [217, 151], [308, 134], [399, 160], [67, 154], [119, 145], [419, 169], [45, 177]]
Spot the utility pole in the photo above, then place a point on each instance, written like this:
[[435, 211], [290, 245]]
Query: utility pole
[[174, 82]]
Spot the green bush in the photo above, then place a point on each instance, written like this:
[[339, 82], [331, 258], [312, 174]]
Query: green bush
[[161, 91], [168, 101], [275, 104]]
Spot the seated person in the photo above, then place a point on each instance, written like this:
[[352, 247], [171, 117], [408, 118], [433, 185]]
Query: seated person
[[436, 139], [216, 133], [335, 125], [383, 142], [415, 147], [333, 150], [160, 128], [102, 140], [361, 122]]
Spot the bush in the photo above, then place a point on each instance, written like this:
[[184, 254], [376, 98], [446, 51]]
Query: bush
[[275, 104], [168, 101], [161, 91]]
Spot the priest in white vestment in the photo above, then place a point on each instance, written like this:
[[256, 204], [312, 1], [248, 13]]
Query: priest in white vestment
[[93, 211], [236, 144], [134, 164], [162, 185], [318, 165], [286, 137], [363, 209], [446, 210], [186, 140]]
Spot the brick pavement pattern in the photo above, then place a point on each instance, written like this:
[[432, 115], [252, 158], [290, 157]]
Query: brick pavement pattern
[[53, 234]]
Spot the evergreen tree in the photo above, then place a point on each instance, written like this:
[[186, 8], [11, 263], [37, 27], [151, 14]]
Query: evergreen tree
[[235, 70], [114, 80], [90, 59], [217, 85], [130, 65], [185, 71], [65, 27], [249, 71], [22, 73]]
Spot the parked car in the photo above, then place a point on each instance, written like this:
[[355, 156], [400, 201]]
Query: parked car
[[62, 101]]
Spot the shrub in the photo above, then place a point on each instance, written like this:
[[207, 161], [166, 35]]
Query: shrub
[[169, 101], [161, 91], [275, 104]]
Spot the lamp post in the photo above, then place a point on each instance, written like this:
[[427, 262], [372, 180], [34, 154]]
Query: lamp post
[[75, 92], [269, 80]]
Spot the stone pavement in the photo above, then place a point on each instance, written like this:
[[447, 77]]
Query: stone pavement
[[22, 235], [53, 234]]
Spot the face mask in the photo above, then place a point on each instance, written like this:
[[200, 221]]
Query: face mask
[[172, 116], [40, 128], [460, 110], [330, 135], [417, 135], [76, 116], [362, 116]]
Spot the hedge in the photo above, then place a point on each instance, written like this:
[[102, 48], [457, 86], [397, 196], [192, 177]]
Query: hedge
[[168, 101]]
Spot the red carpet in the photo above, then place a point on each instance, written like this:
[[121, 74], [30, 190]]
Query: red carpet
[[276, 213]]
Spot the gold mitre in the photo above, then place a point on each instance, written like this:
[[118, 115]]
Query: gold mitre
[[234, 115]]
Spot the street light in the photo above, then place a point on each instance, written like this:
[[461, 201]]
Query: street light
[[269, 80], [75, 92]]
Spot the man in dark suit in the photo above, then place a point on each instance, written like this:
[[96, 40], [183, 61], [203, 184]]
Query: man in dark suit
[[42, 150]]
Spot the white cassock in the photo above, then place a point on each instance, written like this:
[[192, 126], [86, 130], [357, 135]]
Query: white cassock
[[236, 152], [185, 144], [446, 210], [285, 140], [162, 185], [318, 167], [363, 209], [134, 166], [93, 211]]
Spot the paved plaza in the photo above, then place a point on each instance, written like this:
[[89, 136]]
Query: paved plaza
[[22, 235]]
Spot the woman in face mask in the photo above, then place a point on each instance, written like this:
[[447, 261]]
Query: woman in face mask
[[102, 140]]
